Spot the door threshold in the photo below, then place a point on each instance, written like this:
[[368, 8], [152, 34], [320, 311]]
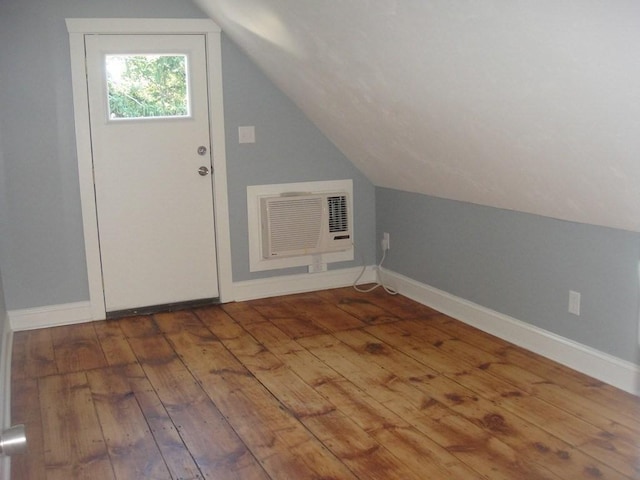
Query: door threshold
[[167, 307]]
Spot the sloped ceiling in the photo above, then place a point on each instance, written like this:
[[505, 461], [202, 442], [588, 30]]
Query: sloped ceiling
[[531, 106]]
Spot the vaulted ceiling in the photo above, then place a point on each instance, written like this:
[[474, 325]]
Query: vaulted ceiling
[[531, 106]]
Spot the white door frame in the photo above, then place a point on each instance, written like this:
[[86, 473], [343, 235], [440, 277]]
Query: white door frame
[[78, 28]]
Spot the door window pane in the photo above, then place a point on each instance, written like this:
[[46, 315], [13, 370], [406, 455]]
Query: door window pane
[[147, 86]]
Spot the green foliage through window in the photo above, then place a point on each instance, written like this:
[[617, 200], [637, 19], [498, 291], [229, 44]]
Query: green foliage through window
[[142, 86]]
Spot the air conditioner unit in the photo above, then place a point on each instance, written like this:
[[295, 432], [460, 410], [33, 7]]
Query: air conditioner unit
[[303, 224]]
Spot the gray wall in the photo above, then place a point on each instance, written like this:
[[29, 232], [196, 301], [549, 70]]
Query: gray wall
[[520, 265], [42, 250], [288, 148]]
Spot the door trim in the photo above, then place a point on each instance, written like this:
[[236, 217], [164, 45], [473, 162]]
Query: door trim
[[78, 28]]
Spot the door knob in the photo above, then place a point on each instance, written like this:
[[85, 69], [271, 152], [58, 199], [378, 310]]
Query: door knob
[[203, 171], [13, 440]]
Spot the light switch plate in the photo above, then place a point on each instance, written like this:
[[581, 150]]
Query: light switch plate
[[247, 134]]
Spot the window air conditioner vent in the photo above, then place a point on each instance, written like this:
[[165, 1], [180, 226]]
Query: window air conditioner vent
[[304, 224], [338, 219]]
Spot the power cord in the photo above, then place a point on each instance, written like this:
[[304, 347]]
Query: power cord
[[387, 289]]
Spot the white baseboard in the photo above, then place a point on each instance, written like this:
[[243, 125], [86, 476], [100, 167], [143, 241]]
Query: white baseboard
[[79, 312], [306, 282], [607, 368], [51, 316]]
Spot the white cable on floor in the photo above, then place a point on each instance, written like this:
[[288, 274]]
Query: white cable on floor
[[389, 290]]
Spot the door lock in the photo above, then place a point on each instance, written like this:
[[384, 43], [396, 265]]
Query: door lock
[[202, 150]]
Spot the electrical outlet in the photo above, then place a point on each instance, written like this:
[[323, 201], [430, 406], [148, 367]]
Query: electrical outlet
[[386, 243], [318, 265], [574, 302]]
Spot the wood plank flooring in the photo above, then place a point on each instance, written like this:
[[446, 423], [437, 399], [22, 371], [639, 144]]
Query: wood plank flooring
[[327, 385]]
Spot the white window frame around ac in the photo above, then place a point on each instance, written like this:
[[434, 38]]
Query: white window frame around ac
[[254, 192]]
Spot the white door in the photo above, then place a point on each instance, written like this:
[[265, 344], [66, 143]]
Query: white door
[[152, 168]]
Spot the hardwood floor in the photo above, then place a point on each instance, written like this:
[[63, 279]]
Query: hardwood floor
[[328, 385]]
